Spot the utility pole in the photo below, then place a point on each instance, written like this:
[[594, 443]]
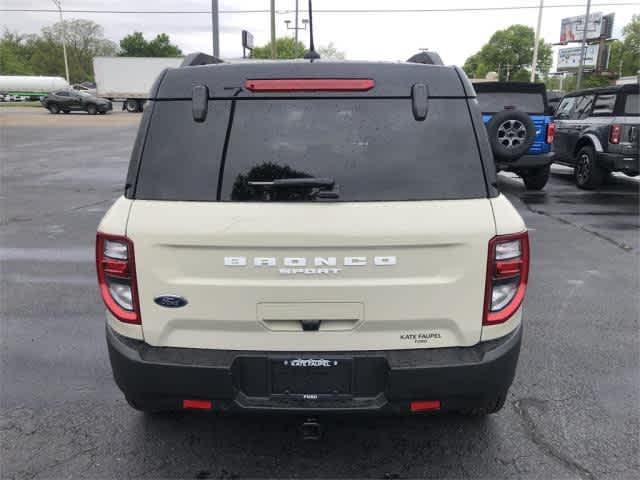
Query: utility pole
[[583, 46], [273, 30], [297, 21], [215, 28], [534, 64], [58, 3]]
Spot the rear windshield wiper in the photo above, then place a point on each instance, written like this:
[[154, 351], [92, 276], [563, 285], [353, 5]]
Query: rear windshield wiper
[[323, 183]]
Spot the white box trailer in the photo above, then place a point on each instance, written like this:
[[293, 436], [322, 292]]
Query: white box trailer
[[129, 79]]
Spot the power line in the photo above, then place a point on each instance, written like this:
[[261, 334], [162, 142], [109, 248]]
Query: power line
[[340, 11]]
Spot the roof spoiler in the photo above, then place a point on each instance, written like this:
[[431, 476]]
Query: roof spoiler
[[427, 58], [199, 58]]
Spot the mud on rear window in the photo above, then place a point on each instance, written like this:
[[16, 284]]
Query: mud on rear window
[[372, 148]]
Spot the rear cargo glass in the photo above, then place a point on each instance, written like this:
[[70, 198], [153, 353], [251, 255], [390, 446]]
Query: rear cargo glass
[[492, 102], [372, 148], [632, 104]]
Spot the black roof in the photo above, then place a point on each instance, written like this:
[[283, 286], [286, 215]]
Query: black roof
[[522, 87], [627, 88], [225, 80]]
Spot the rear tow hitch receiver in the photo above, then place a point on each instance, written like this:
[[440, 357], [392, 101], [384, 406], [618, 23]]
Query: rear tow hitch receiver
[[311, 429]]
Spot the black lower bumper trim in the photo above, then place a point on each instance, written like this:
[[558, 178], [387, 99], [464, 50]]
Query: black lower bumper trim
[[527, 162], [460, 377], [619, 162]]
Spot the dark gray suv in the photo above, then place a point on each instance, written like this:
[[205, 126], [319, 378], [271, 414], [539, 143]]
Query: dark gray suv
[[597, 133], [71, 100]]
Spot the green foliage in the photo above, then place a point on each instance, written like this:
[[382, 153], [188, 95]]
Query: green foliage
[[43, 54], [15, 53], [510, 53], [286, 47], [135, 45], [624, 58], [593, 81], [589, 80]]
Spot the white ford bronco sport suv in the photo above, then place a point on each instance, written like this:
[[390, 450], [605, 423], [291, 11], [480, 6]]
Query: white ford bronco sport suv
[[313, 237]]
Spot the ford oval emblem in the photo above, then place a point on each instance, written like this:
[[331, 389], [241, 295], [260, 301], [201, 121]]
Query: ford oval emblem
[[170, 301]]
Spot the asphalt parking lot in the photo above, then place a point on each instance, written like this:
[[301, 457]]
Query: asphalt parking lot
[[572, 411]]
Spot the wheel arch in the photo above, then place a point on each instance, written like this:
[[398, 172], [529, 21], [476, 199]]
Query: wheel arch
[[588, 140]]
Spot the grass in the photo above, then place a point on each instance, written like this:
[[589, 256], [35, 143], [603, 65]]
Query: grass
[[20, 104]]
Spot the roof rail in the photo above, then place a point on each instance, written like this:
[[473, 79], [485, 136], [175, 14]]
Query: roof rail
[[199, 58], [427, 58]]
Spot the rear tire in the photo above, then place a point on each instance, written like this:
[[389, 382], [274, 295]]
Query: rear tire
[[494, 407], [587, 172], [132, 106], [66, 111], [54, 109], [536, 179]]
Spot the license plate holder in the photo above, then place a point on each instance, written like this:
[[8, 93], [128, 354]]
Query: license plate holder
[[311, 377]]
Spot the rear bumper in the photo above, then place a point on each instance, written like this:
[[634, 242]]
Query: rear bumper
[[382, 381], [527, 161], [619, 162]]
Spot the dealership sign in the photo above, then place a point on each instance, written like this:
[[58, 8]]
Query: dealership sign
[[599, 26], [569, 58]]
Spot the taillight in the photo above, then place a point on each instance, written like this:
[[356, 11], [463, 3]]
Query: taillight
[[615, 133], [507, 275], [551, 132], [310, 85], [116, 268]]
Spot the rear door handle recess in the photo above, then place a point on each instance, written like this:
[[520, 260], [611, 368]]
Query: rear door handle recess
[[310, 325]]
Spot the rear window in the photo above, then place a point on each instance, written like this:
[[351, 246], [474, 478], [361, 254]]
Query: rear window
[[492, 102], [632, 104], [604, 104], [373, 149]]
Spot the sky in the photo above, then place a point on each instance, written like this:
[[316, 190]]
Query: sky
[[371, 36]]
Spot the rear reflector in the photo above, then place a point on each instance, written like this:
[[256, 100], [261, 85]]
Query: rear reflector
[[197, 404], [425, 405], [310, 85]]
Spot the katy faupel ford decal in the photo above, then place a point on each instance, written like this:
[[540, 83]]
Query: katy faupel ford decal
[[310, 266]]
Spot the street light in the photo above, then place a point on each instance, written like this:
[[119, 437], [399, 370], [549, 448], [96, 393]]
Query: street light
[[58, 3], [296, 28]]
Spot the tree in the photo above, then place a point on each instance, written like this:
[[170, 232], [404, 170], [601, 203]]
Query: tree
[[510, 53], [286, 47], [625, 55], [135, 45], [42, 54], [85, 40], [330, 52], [15, 53]]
